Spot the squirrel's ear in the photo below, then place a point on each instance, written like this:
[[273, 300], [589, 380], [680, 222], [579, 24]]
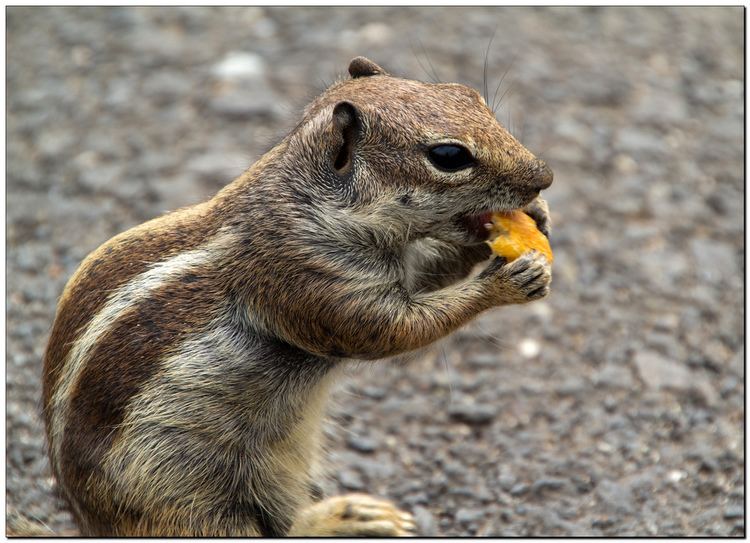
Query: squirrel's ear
[[346, 128], [363, 67]]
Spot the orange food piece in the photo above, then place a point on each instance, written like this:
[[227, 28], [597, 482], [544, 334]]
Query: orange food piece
[[514, 233]]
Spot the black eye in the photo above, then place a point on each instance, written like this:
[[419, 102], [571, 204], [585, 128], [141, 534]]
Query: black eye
[[450, 157]]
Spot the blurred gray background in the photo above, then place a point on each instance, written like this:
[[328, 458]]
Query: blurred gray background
[[613, 407]]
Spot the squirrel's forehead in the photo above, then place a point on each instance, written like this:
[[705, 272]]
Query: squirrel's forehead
[[433, 107], [393, 92]]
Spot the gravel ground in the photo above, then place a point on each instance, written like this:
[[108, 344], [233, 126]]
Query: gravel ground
[[614, 407]]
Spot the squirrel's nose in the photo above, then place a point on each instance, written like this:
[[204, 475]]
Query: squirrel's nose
[[541, 176]]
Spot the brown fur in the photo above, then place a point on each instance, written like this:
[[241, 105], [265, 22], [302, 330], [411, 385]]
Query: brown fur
[[111, 265], [142, 337], [190, 358]]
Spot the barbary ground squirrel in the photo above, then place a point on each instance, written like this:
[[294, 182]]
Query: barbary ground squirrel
[[188, 366]]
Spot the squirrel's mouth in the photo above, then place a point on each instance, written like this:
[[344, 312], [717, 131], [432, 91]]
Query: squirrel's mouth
[[476, 225]]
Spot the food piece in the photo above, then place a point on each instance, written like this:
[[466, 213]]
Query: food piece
[[514, 233]]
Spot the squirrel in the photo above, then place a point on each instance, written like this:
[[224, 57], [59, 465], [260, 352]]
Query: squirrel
[[187, 370]]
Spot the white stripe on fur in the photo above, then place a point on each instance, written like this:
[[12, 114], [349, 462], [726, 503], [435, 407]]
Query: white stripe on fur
[[120, 301]]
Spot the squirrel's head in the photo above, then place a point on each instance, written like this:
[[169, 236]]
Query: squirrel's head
[[430, 158]]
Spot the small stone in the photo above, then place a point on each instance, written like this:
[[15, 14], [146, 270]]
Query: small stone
[[542, 310], [625, 164], [506, 514], [242, 102], [583, 483], [119, 93], [462, 492], [413, 499], [615, 496], [602, 523], [614, 376], [595, 91], [425, 521], [104, 177], [572, 386], [81, 56], [506, 482], [658, 372], [483, 494], [376, 393], [529, 348], [217, 167], [181, 190], [454, 469], [468, 516], [362, 444], [720, 259], [351, 480], [728, 385], [610, 404], [734, 511], [265, 28], [667, 322], [487, 360], [708, 465], [675, 476], [519, 489], [52, 143], [472, 413], [717, 353], [376, 34], [660, 108], [718, 203], [240, 65], [542, 485], [165, 87], [373, 469], [439, 480], [572, 129], [15, 455]]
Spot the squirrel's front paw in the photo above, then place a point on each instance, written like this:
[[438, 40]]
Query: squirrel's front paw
[[525, 279], [354, 515], [539, 211]]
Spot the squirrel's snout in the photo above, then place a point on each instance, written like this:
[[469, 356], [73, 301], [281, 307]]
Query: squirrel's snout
[[541, 176]]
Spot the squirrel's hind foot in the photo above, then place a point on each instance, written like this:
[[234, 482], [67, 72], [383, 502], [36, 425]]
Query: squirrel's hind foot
[[354, 515]]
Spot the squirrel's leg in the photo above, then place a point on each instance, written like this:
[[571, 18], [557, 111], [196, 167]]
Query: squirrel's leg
[[453, 263], [353, 515], [379, 321]]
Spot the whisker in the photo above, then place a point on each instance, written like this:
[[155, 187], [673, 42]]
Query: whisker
[[448, 374], [323, 83], [427, 56], [416, 56], [486, 60], [490, 338], [502, 78], [509, 89]]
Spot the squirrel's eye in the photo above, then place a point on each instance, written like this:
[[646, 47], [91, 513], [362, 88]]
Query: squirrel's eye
[[450, 157]]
